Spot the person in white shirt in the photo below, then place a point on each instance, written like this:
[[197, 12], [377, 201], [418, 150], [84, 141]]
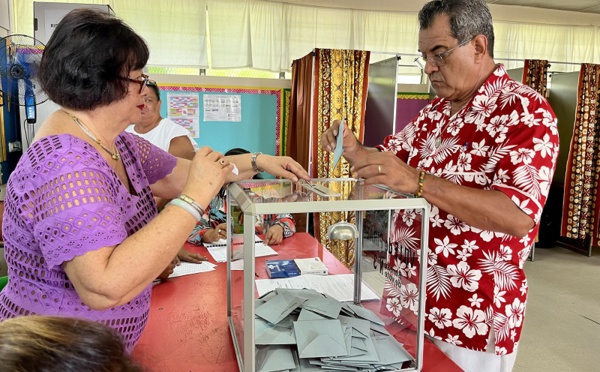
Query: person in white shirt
[[172, 138], [160, 131]]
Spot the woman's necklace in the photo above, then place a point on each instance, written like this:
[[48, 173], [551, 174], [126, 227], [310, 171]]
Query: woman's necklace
[[113, 154]]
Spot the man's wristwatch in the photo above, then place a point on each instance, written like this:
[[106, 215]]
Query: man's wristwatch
[[254, 166]]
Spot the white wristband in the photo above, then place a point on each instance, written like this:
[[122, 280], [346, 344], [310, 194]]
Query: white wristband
[[187, 207]]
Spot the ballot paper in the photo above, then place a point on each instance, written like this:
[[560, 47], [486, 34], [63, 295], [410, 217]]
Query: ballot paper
[[339, 146], [218, 250], [290, 337], [187, 268]]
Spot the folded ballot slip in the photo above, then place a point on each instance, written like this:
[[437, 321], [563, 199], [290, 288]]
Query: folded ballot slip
[[281, 269], [311, 266]]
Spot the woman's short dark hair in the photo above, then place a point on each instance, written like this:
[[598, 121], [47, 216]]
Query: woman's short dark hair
[[35, 343], [468, 18], [87, 57]]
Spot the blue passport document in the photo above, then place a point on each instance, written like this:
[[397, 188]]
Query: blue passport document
[[281, 268]]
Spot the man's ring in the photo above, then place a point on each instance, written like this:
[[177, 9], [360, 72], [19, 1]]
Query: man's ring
[[379, 168], [219, 231]]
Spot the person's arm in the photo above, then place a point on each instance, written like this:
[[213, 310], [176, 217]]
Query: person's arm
[[182, 147], [279, 227], [279, 166], [113, 275], [505, 208]]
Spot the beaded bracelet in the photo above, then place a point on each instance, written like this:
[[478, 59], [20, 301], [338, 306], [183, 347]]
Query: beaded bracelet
[[421, 184], [187, 207], [192, 202]]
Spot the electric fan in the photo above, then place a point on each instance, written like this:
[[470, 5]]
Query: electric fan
[[20, 57]]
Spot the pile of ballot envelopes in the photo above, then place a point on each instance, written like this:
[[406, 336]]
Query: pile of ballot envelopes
[[304, 330]]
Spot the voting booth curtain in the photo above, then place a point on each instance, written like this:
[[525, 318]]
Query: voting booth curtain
[[535, 75], [581, 210]]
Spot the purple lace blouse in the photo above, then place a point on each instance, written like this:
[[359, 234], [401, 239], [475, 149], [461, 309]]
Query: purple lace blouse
[[64, 200]]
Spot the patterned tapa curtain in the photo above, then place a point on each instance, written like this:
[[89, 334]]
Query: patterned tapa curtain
[[340, 91], [580, 206], [535, 75]]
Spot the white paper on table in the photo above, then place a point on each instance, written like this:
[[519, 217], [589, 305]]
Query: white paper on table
[[219, 253], [340, 287], [237, 265], [187, 268]]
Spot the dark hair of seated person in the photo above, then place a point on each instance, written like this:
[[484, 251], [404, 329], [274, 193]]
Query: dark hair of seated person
[[241, 151], [87, 61], [36, 343]]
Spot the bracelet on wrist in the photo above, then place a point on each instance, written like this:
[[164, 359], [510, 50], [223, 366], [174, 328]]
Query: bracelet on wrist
[[253, 162], [191, 202], [421, 183], [186, 207]]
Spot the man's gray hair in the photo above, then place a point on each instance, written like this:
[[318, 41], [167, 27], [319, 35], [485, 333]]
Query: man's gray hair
[[468, 18]]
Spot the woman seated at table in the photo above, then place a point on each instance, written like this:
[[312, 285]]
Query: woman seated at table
[[213, 227]]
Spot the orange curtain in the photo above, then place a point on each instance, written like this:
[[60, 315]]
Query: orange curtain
[[341, 84], [580, 208], [298, 130], [535, 75]]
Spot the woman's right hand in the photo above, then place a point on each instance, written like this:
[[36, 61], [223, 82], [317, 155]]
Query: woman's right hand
[[213, 235], [207, 175]]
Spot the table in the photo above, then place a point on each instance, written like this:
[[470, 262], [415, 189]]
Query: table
[[187, 328]]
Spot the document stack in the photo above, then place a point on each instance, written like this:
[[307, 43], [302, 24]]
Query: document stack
[[312, 266], [302, 329]]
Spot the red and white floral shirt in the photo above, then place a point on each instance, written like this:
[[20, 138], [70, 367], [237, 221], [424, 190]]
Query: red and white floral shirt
[[504, 139]]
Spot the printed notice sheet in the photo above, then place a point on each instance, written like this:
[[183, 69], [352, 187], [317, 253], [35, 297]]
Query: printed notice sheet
[[220, 107]]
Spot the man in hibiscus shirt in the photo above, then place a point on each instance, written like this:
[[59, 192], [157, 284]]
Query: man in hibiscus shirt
[[483, 154]]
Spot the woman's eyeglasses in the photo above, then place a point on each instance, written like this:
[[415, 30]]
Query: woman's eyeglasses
[[438, 59], [142, 81]]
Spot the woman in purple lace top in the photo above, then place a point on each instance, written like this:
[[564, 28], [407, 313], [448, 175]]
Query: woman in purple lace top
[[82, 234]]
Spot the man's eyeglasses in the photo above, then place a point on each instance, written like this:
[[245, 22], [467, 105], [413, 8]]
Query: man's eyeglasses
[[438, 59], [142, 81]]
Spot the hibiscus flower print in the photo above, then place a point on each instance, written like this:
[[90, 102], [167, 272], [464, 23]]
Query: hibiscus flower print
[[455, 225], [479, 148], [409, 296], [471, 322], [470, 245], [505, 253], [475, 301], [453, 340], [461, 276], [442, 318], [544, 146], [515, 313], [408, 217], [499, 297], [393, 305], [463, 254], [522, 156], [444, 246]]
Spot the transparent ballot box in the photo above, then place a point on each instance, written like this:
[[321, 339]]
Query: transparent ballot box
[[345, 293]]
